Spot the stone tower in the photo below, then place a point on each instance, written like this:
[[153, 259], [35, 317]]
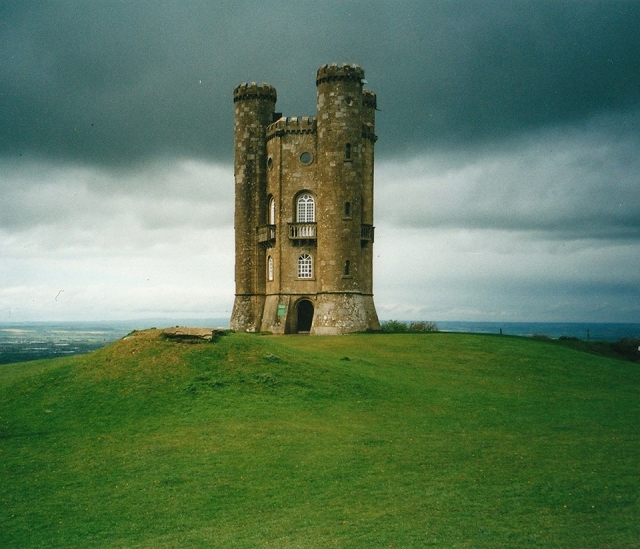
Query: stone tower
[[304, 209]]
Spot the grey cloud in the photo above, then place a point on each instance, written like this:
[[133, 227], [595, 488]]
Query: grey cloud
[[563, 183], [182, 195], [455, 274]]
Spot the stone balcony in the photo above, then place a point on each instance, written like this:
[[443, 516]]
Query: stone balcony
[[302, 231], [366, 233]]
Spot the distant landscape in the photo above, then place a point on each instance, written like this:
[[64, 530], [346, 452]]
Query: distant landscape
[[36, 340], [359, 441], [23, 341]]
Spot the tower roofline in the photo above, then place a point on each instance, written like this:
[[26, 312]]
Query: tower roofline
[[333, 72], [254, 91]]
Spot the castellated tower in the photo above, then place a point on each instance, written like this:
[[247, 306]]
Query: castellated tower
[[304, 209]]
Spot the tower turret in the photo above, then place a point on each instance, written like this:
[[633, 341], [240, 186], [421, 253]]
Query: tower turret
[[345, 200], [254, 111]]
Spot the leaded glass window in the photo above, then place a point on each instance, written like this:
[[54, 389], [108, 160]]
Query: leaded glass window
[[305, 266], [306, 209]]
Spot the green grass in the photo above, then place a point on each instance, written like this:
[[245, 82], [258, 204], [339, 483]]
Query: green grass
[[399, 440]]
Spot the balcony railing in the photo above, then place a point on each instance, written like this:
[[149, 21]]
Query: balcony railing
[[367, 232], [302, 231], [267, 235]]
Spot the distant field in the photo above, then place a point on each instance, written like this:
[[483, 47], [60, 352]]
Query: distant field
[[362, 441], [22, 342]]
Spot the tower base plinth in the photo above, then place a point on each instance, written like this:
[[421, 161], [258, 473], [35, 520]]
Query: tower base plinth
[[247, 313], [343, 313]]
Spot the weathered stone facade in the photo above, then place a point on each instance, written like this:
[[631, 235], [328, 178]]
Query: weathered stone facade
[[304, 209]]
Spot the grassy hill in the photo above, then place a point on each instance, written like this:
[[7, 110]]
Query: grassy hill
[[399, 440]]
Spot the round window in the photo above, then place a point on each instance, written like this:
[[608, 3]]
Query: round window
[[306, 158]]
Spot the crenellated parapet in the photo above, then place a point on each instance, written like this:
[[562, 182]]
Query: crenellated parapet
[[335, 72], [254, 91], [292, 125], [369, 99]]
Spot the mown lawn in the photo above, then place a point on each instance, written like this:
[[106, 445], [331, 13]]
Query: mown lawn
[[398, 440]]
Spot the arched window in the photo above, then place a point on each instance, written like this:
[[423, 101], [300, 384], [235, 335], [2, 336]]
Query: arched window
[[270, 268], [347, 209], [305, 266], [272, 211], [306, 210], [347, 268]]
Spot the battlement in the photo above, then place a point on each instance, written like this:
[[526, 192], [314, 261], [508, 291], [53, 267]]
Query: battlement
[[335, 72], [292, 124], [254, 91], [369, 99]]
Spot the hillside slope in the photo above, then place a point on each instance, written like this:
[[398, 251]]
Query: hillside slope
[[442, 440]]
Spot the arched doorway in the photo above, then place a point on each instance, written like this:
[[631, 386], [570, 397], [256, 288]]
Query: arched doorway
[[304, 315]]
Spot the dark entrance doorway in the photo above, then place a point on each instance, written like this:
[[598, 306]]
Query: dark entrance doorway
[[304, 315]]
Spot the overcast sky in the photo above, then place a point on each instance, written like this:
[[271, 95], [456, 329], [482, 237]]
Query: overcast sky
[[507, 164]]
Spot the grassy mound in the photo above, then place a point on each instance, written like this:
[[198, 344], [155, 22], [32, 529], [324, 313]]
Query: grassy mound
[[404, 440]]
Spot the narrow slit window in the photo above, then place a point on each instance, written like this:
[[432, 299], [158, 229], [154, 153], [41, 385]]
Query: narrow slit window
[[347, 209], [272, 211], [347, 268], [347, 151]]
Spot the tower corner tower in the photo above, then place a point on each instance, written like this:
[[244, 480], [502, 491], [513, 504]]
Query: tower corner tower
[[254, 111]]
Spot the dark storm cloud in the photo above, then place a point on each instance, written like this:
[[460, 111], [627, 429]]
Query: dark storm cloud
[[117, 82]]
